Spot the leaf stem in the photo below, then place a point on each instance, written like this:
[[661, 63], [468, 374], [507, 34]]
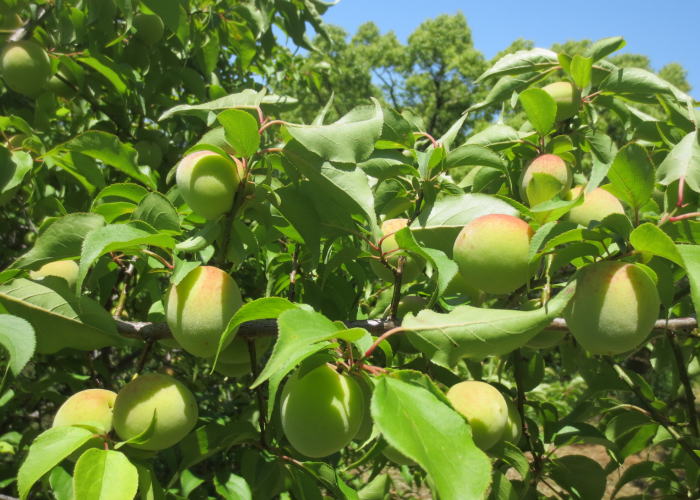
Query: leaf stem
[[381, 339]]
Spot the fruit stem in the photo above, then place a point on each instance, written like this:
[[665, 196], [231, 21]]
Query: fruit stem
[[265, 125], [655, 414], [435, 143], [381, 339], [684, 216], [160, 258]]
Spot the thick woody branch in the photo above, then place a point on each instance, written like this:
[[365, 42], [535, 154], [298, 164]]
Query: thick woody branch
[[268, 327]]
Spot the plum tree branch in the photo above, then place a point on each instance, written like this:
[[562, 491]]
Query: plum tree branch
[[268, 327]]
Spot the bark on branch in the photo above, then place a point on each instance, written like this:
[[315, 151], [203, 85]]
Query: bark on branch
[[268, 327]]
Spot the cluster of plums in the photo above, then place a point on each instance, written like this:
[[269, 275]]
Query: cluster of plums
[[25, 64], [322, 411], [131, 411]]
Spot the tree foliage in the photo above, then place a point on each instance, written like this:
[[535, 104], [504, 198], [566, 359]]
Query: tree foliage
[[229, 267]]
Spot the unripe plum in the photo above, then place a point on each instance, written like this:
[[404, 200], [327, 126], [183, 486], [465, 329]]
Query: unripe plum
[[208, 183], [66, 269], [149, 28], [234, 361], [596, 205], [614, 307], [25, 67], [492, 253], [322, 411], [59, 87], [567, 97], [173, 403], [412, 266], [199, 308], [91, 407], [553, 177], [485, 409]]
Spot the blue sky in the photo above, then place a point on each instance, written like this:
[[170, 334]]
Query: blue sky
[[664, 31]]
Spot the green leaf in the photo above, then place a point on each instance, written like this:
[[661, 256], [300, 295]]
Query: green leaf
[[648, 238], [645, 471], [107, 69], [241, 131], [17, 336], [605, 46], [691, 260], [540, 109], [472, 155], [683, 162], [301, 334], [246, 98], [349, 140], [632, 175], [143, 436], [634, 83], [156, 210], [423, 428], [522, 61], [472, 332], [505, 87], [149, 487], [117, 237], [60, 319], [347, 187], [105, 475], [496, 137], [264, 308], [581, 476], [47, 451], [211, 439], [108, 149], [13, 169], [233, 487], [62, 239], [580, 70]]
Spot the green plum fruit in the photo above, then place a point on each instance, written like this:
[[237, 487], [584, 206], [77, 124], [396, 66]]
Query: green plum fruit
[[596, 205], [547, 176], [485, 409], [25, 66], [66, 269], [149, 28], [492, 253], [199, 308], [614, 307], [567, 97], [234, 361], [513, 429], [208, 183], [412, 266], [173, 404], [92, 407], [321, 411]]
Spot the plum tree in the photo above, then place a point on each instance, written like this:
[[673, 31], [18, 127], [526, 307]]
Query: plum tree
[[547, 176], [149, 28], [412, 266], [173, 405], [66, 269], [321, 411], [91, 407], [199, 308], [614, 307], [208, 183], [485, 409], [567, 97], [234, 361], [596, 205], [492, 253], [25, 66]]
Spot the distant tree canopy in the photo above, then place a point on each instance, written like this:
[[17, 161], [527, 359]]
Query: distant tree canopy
[[431, 76]]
